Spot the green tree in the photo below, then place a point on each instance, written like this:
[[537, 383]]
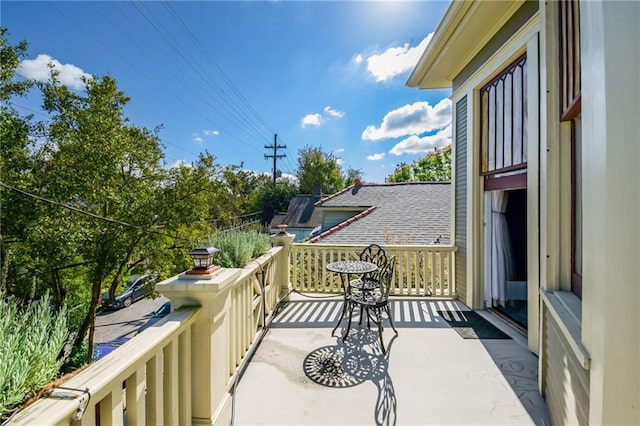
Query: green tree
[[316, 167], [237, 189], [433, 167], [351, 175], [271, 199], [91, 163], [86, 198], [15, 159]]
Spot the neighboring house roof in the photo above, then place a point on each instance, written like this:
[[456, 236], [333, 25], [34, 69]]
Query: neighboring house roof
[[394, 213], [301, 213]]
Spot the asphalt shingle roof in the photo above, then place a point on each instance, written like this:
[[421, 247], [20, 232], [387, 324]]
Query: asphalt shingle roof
[[300, 214], [404, 213]]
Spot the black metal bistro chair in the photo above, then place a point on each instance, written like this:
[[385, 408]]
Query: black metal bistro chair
[[374, 254], [374, 303]]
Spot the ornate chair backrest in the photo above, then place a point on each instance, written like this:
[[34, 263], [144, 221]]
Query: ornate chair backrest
[[386, 277], [374, 254]]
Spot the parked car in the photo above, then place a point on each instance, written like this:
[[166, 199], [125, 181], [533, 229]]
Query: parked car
[[102, 349], [136, 288], [158, 314]]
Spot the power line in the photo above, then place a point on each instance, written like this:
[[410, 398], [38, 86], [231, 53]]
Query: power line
[[164, 88], [93, 215], [182, 53]]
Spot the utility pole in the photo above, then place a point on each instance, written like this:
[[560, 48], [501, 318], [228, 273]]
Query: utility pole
[[275, 155]]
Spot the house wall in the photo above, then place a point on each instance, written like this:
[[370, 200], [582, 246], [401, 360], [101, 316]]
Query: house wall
[[611, 250], [331, 218], [589, 371], [460, 203], [566, 387], [589, 349], [516, 38]]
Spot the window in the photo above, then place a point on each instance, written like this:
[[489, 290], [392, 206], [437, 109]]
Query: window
[[569, 43], [576, 206], [570, 111], [503, 138]]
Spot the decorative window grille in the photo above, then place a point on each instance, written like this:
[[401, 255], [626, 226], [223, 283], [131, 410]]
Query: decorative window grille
[[569, 49], [503, 139]]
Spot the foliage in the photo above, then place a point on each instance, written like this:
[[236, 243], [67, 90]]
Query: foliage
[[32, 339], [271, 199], [434, 167], [112, 205], [316, 167], [237, 248], [351, 175], [237, 194]]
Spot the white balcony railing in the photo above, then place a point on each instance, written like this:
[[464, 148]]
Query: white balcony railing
[[420, 270], [181, 370], [149, 375]]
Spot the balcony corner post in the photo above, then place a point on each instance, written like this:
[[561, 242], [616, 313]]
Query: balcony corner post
[[210, 351], [285, 240]]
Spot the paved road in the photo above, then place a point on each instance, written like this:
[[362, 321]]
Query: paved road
[[125, 321]]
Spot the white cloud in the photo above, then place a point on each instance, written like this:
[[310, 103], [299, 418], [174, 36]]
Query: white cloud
[[311, 120], [211, 133], [375, 157], [333, 113], [289, 177], [38, 69], [180, 163], [358, 59], [395, 60], [198, 140], [413, 119], [417, 145], [317, 119], [339, 161], [338, 151]]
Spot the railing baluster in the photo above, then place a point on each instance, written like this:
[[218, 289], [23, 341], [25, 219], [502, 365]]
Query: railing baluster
[[154, 390], [135, 386], [423, 276], [184, 377], [442, 275], [415, 273], [170, 383]]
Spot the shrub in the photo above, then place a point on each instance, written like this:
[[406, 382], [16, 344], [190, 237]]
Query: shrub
[[237, 248], [32, 339]]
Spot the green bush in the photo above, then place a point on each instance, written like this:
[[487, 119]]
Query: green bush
[[31, 340], [237, 248]]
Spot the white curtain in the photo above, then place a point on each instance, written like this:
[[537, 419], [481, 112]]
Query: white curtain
[[501, 253]]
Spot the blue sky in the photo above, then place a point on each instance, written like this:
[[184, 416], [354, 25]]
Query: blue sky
[[225, 76]]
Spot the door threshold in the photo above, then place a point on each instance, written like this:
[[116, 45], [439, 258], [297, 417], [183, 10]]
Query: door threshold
[[510, 321]]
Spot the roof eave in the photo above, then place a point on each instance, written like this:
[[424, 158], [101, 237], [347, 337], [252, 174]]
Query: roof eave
[[465, 29]]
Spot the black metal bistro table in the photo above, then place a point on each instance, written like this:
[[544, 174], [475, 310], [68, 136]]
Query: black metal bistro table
[[346, 269]]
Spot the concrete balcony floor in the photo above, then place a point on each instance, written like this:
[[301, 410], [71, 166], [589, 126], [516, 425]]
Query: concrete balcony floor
[[301, 375]]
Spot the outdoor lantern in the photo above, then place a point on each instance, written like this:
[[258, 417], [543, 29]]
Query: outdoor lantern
[[283, 228], [203, 259]]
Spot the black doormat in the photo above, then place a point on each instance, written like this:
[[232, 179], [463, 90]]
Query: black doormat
[[471, 325]]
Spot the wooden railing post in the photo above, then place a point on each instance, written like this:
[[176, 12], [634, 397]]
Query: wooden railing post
[[210, 401], [283, 266]]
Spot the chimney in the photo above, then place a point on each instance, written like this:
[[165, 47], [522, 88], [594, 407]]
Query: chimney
[[317, 190], [357, 182]]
